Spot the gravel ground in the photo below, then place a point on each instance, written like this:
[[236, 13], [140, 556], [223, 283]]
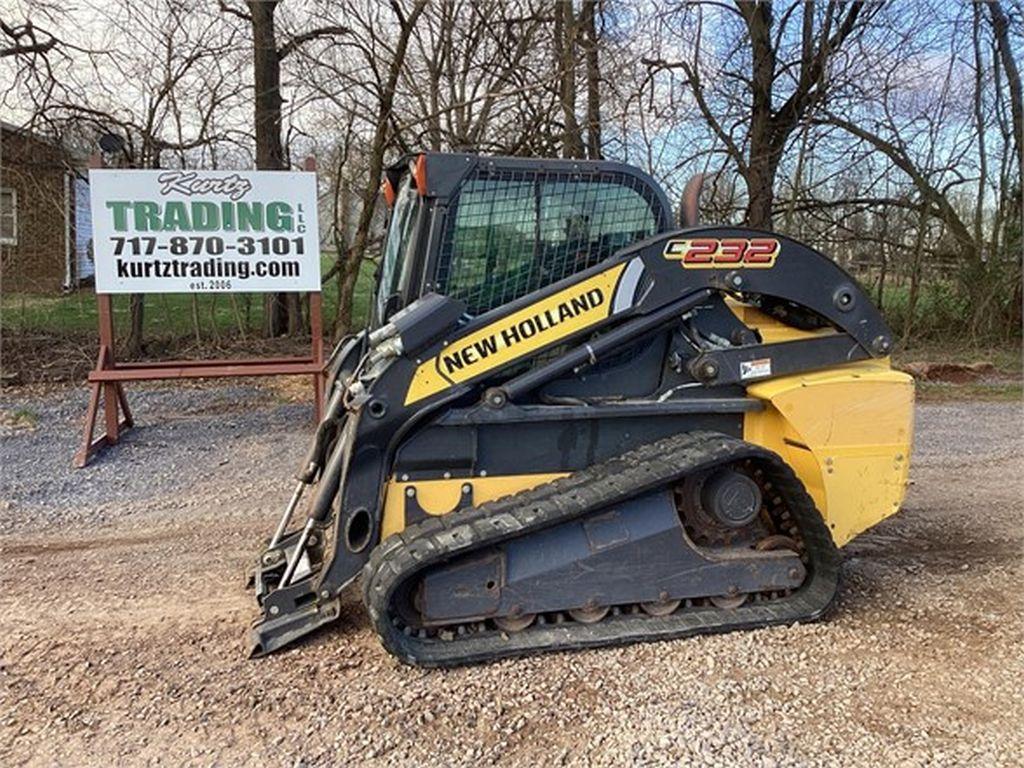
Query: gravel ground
[[122, 616], [191, 436]]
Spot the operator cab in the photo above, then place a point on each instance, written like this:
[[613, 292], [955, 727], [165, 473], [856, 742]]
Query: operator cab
[[490, 230]]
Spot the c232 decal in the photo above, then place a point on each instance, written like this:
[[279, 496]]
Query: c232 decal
[[723, 253]]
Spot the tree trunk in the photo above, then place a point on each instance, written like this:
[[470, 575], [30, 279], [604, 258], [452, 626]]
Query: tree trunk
[[588, 24], [1000, 25], [375, 171], [342, 244], [760, 180], [196, 326], [565, 63], [883, 269], [293, 312], [267, 119], [797, 185], [760, 175], [915, 274], [883, 253], [135, 332], [267, 80], [979, 123], [347, 276]]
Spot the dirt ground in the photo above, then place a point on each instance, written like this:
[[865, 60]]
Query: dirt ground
[[123, 613]]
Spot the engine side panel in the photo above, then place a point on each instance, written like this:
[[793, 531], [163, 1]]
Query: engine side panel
[[847, 433]]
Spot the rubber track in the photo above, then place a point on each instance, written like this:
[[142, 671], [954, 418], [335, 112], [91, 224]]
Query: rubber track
[[438, 539]]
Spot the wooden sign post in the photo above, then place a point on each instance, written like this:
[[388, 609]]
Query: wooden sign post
[[107, 378]]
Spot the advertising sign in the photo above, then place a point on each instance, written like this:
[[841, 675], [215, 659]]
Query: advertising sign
[[190, 231]]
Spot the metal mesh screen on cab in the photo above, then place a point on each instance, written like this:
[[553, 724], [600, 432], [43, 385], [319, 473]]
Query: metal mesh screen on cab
[[510, 233]]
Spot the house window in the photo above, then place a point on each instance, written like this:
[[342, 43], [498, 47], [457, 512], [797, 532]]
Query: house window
[[8, 217]]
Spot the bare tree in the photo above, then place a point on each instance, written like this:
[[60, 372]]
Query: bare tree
[[565, 37], [25, 39], [283, 313], [471, 65], [365, 79], [783, 82]]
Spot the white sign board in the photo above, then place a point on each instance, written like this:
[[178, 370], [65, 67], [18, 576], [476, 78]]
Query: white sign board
[[176, 231]]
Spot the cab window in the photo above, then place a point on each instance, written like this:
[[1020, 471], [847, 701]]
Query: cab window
[[403, 217], [513, 233]]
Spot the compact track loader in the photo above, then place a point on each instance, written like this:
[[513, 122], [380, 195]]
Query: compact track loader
[[571, 424]]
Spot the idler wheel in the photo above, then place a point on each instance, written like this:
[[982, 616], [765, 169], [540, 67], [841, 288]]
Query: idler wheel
[[731, 498]]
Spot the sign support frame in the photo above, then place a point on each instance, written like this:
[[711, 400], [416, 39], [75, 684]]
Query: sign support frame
[[107, 377]]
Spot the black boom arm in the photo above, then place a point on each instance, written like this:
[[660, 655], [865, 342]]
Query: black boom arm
[[762, 266]]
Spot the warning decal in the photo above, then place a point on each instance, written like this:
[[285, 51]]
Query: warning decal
[[756, 369]]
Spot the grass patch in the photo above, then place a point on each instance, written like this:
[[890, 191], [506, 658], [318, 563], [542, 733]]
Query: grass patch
[[938, 314], [25, 416], [944, 313], [18, 420], [167, 315], [997, 391]]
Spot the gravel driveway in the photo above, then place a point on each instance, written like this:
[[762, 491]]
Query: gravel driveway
[[123, 611]]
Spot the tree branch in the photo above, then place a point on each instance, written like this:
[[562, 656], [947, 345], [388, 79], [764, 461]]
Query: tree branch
[[231, 10], [301, 39], [902, 161], [24, 41]]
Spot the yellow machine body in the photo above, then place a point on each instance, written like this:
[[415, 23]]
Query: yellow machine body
[[847, 434], [845, 431]]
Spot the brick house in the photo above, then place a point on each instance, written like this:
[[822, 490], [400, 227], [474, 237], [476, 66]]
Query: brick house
[[38, 186]]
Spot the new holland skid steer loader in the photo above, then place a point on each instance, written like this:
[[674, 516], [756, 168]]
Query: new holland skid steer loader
[[571, 424]]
